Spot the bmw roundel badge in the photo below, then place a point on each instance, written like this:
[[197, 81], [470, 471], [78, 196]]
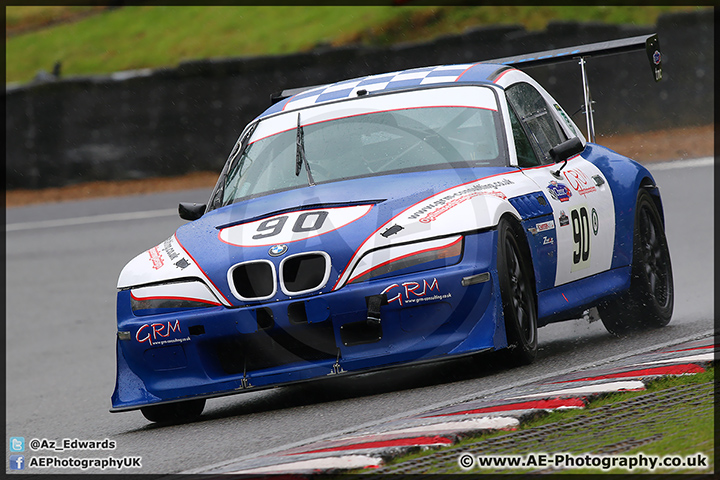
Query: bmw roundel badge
[[277, 250]]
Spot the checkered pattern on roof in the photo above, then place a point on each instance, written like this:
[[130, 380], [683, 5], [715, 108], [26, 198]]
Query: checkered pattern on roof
[[373, 83]]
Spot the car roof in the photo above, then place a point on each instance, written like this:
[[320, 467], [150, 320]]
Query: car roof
[[399, 80]]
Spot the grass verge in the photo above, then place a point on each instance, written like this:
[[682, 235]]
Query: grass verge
[[656, 422], [100, 40]]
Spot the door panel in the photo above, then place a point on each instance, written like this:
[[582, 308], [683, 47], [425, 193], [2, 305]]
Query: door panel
[[584, 215]]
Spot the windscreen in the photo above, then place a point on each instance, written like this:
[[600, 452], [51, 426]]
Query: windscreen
[[410, 131]]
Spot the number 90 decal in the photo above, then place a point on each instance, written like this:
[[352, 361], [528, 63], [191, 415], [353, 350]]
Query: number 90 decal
[[580, 221], [292, 226]]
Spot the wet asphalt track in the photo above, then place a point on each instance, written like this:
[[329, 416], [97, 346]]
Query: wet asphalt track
[[61, 337]]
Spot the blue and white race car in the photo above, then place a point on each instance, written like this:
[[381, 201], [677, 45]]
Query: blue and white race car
[[391, 219]]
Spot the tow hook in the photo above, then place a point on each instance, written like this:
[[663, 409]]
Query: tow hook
[[374, 302]]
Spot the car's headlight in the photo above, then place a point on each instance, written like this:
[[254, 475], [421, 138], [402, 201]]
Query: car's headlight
[[409, 258], [168, 297]]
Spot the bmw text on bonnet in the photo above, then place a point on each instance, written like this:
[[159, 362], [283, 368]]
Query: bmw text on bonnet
[[391, 219]]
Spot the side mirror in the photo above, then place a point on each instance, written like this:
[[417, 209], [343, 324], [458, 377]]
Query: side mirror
[[566, 149], [191, 211]]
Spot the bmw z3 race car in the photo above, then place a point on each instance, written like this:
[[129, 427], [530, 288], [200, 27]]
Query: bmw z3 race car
[[391, 219]]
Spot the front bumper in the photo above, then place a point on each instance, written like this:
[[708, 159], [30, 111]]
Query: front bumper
[[218, 351]]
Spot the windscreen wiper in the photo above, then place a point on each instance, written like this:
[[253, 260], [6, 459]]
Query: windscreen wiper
[[300, 157]]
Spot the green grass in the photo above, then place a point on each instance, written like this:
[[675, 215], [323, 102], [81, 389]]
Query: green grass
[[135, 37], [692, 434]]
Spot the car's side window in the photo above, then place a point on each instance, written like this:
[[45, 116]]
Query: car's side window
[[535, 114], [525, 153]]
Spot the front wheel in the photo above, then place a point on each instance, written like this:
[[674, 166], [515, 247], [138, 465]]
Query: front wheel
[[518, 295], [649, 301], [179, 412]]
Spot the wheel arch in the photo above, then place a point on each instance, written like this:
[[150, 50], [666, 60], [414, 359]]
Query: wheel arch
[[522, 349], [516, 225], [649, 186], [626, 178]]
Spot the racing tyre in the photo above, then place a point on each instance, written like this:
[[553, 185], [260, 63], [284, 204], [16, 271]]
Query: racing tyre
[[649, 301], [518, 295], [180, 412]]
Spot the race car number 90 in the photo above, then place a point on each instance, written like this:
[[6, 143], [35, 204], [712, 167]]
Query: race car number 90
[[581, 238], [292, 226], [305, 222]]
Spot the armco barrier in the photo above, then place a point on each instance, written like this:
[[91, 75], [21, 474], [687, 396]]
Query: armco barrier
[[172, 121]]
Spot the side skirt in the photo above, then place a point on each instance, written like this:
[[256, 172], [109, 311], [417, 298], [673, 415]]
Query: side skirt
[[568, 301]]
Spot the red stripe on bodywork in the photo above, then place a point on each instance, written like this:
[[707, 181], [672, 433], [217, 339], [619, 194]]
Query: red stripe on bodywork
[[503, 74], [465, 71], [400, 442], [534, 404], [442, 247], [203, 271], [189, 299]]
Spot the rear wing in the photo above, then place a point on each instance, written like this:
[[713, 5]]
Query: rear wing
[[649, 43]]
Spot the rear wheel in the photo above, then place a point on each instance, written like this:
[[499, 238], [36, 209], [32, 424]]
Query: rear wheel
[[518, 295], [179, 412], [649, 301]]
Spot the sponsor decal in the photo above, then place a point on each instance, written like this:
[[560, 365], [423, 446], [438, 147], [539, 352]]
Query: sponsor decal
[[579, 181], [182, 264], [656, 57], [414, 292], [548, 240], [545, 226], [392, 230], [457, 201], [432, 210], [564, 219], [155, 333], [559, 191], [171, 253], [542, 227], [277, 250], [595, 221], [156, 258]]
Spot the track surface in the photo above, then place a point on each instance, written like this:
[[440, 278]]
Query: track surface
[[61, 336]]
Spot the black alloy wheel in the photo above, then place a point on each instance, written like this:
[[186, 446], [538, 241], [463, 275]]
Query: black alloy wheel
[[650, 299], [518, 295]]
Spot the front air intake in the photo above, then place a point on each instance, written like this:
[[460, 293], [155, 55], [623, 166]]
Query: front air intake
[[252, 280], [305, 272]]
